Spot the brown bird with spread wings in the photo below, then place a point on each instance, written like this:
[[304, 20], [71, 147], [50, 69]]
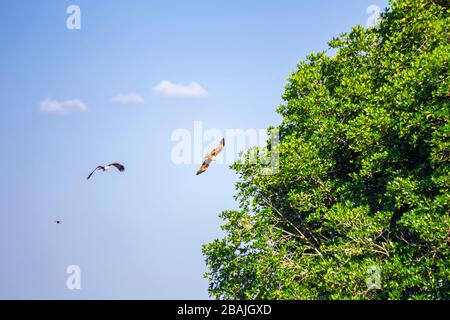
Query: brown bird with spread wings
[[210, 157], [118, 166]]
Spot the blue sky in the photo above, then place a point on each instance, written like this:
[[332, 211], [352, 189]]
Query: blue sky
[[136, 234]]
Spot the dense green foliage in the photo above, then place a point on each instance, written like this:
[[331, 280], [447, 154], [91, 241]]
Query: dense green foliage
[[364, 173]]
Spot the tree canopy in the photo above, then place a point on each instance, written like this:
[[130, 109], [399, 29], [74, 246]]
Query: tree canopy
[[363, 179]]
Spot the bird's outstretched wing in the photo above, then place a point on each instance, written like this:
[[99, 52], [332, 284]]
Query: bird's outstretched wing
[[203, 168], [90, 175], [219, 148], [118, 166]]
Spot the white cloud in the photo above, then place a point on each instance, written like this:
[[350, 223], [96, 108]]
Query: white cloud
[[128, 99], [168, 89], [66, 106]]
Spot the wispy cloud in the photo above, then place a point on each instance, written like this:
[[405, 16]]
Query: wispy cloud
[[128, 99], [168, 89], [66, 106]]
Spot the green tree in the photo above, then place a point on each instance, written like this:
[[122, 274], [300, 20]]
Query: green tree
[[363, 178]]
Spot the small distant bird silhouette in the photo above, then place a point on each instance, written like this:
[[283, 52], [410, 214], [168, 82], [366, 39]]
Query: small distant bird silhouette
[[118, 166], [210, 157], [57, 221]]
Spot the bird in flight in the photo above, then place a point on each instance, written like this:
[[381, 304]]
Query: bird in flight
[[118, 166], [211, 157]]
